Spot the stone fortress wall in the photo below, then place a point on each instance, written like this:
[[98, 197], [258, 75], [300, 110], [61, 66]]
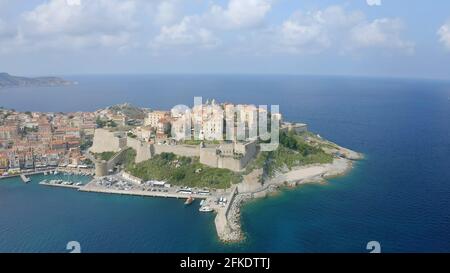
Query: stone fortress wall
[[143, 150], [181, 150], [232, 156], [106, 141]]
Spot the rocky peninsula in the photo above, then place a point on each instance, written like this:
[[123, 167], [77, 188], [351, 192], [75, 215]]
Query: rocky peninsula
[[230, 171], [136, 151], [228, 222], [7, 80]]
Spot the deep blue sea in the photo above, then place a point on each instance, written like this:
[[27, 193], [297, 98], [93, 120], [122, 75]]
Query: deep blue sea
[[399, 195]]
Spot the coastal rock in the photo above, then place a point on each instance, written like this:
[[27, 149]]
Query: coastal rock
[[229, 220], [232, 231]]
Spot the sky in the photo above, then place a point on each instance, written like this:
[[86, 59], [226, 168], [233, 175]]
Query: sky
[[377, 38]]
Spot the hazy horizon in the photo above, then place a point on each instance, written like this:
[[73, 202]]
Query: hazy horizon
[[387, 77]]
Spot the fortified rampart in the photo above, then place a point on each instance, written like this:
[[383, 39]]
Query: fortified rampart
[[181, 150], [143, 149], [232, 156], [103, 167], [106, 141], [117, 158]]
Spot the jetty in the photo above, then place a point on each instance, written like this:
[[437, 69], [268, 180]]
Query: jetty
[[61, 184], [30, 172], [139, 192]]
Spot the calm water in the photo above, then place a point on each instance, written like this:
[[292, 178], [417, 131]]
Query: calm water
[[399, 195]]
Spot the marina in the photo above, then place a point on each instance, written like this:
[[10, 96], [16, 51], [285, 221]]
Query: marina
[[117, 184], [127, 190], [48, 171], [62, 184], [122, 183], [28, 172]]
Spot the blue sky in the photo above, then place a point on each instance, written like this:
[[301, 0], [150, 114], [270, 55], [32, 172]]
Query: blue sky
[[399, 38]]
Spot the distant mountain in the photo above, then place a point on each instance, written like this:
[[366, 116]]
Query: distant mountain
[[7, 80]]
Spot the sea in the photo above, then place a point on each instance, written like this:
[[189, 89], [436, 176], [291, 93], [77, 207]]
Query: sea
[[398, 196]]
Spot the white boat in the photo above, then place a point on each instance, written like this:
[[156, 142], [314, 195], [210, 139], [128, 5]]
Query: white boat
[[206, 209], [25, 178], [202, 202]]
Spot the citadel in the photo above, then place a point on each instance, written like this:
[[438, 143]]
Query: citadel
[[221, 135]]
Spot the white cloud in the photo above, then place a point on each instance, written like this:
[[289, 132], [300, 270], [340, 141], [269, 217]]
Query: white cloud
[[73, 2], [373, 2], [380, 33], [76, 23], [334, 27], [58, 16], [239, 13], [186, 33], [199, 30], [235, 26], [444, 35], [167, 12], [315, 30]]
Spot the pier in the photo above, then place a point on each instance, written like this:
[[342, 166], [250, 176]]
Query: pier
[[86, 172], [127, 185], [63, 184], [137, 192], [30, 172]]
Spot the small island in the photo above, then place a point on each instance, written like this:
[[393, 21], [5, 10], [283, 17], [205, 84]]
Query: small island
[[206, 153], [7, 80]]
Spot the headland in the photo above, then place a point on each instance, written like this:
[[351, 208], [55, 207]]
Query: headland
[[218, 153]]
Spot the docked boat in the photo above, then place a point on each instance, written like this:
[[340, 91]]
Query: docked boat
[[202, 202], [206, 209], [189, 201], [25, 179]]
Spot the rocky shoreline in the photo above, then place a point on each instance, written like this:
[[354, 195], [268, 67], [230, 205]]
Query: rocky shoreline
[[228, 222]]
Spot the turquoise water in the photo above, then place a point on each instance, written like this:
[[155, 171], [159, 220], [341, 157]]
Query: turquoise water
[[36, 218], [399, 195]]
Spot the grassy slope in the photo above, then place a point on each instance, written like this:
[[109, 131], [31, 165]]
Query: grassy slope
[[293, 151], [181, 171]]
